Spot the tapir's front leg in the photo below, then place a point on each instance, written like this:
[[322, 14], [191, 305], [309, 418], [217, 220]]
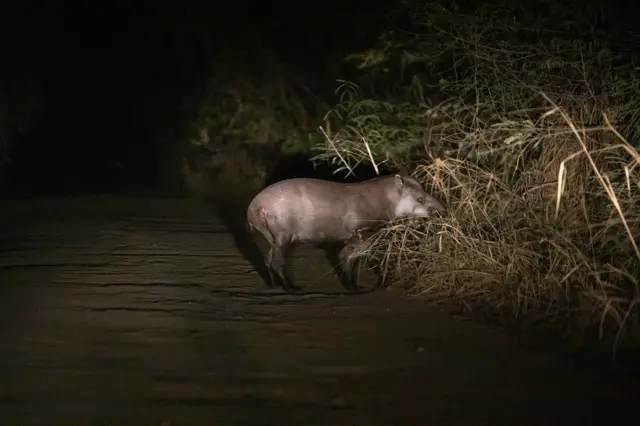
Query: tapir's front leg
[[349, 261], [342, 270]]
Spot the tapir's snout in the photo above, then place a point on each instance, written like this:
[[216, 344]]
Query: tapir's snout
[[429, 208], [437, 210], [434, 207], [422, 205], [421, 211]]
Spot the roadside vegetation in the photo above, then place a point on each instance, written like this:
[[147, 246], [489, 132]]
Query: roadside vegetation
[[527, 127], [241, 122]]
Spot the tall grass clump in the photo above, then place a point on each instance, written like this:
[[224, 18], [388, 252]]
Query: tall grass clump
[[533, 148]]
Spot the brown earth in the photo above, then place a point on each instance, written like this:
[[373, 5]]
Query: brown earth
[[143, 311]]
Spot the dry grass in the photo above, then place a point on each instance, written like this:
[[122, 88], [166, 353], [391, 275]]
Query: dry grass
[[543, 192], [552, 236]]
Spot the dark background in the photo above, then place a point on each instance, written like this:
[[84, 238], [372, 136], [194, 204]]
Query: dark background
[[114, 75], [111, 72]]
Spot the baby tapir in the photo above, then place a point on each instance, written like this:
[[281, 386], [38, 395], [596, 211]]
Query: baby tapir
[[323, 212]]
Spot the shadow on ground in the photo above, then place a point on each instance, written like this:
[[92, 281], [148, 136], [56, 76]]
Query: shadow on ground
[[232, 212]]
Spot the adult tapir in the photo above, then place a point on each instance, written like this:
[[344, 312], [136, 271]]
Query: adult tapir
[[322, 212]]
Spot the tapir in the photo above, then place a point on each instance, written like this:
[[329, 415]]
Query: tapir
[[326, 213]]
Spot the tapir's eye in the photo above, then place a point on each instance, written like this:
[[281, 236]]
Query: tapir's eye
[[421, 200]]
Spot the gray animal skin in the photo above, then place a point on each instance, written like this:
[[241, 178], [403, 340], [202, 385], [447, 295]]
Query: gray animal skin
[[303, 211]]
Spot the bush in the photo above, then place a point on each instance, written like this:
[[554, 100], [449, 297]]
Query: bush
[[529, 151], [241, 121]]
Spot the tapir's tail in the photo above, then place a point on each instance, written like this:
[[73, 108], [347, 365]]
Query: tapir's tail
[[250, 224], [257, 221]]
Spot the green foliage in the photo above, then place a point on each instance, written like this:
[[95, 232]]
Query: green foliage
[[302, 144], [494, 66], [489, 69], [369, 131]]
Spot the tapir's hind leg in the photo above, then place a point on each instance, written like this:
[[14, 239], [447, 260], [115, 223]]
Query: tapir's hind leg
[[268, 261], [276, 262]]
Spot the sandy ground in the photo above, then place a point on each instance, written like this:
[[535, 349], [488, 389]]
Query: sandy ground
[[144, 311]]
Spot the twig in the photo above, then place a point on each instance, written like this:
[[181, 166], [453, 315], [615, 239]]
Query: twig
[[607, 188], [375, 166], [336, 150]]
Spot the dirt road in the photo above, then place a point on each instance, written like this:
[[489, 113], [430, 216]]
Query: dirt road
[[143, 311]]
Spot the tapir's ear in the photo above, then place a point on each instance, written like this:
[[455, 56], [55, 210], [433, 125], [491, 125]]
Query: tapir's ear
[[399, 182]]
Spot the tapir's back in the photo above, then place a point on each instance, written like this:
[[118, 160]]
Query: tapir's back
[[314, 209], [317, 192]]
